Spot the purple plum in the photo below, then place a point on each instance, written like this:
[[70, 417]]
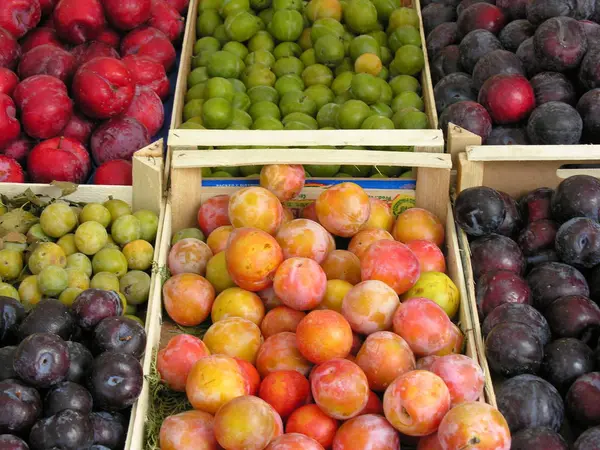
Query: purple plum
[[454, 88], [496, 252], [576, 196], [528, 401], [475, 45], [554, 123], [515, 33], [521, 313], [574, 316], [549, 281], [553, 87], [479, 211], [583, 400], [507, 135], [588, 108], [469, 115]]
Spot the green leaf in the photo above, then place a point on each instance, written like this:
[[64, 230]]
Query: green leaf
[[65, 187]]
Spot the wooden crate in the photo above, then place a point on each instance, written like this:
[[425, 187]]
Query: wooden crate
[[145, 193], [460, 140], [423, 140], [515, 170], [187, 193]]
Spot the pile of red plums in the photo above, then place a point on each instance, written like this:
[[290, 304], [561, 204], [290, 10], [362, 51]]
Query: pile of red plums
[[536, 263], [82, 82], [517, 72]]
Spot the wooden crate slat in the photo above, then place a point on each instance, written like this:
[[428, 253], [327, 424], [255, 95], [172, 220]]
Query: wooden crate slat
[[239, 157], [186, 139]]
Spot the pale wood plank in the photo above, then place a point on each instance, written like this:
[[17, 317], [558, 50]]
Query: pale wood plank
[[192, 139], [186, 197], [470, 173], [433, 185], [148, 174], [533, 153], [458, 139], [220, 158]]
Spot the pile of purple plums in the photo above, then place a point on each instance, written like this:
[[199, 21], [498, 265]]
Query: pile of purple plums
[[517, 71], [536, 263], [67, 376]]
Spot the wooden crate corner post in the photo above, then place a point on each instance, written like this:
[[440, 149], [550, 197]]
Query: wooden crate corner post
[[458, 139], [148, 177]]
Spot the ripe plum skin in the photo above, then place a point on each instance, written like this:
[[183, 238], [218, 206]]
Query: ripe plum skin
[[7, 356], [507, 135], [526, 53], [539, 11], [555, 123], [528, 401], [589, 71], [560, 44], [513, 349], [512, 221], [11, 315], [435, 14], [538, 438], [479, 210], [497, 62], [81, 361], [588, 108], [115, 381], [536, 205], [21, 406], [454, 88], [468, 115], [446, 62], [49, 316], [42, 360], [11, 442], [496, 252], [537, 236], [481, 16], [441, 36], [521, 313], [475, 45], [67, 395], [68, 430], [574, 316], [582, 401], [498, 287], [576, 196], [565, 360], [578, 242], [109, 429], [549, 281], [514, 33], [553, 87], [588, 439]]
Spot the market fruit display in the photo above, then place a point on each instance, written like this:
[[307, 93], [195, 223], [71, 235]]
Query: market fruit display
[[291, 65], [535, 262], [517, 72], [82, 85], [298, 342], [75, 280], [59, 250]]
